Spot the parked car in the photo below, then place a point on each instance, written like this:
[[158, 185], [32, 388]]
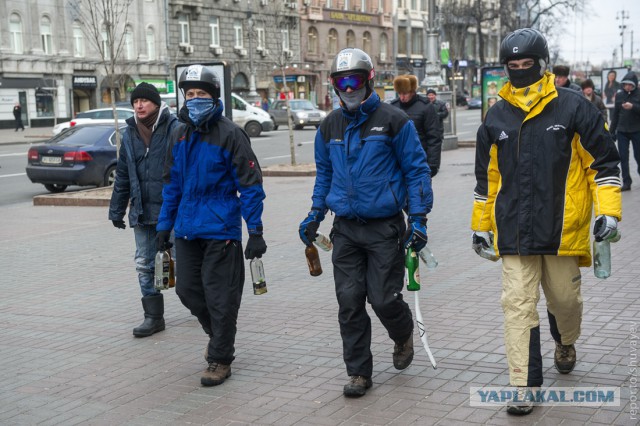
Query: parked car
[[252, 119], [82, 155], [474, 103], [97, 116], [303, 113]]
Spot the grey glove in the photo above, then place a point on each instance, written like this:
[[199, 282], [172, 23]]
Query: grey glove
[[481, 240], [604, 227]]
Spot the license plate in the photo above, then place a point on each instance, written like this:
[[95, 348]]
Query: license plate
[[51, 160]]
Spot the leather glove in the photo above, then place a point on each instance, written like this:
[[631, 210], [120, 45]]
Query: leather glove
[[256, 247], [162, 240], [119, 224], [309, 226], [416, 235], [604, 227], [481, 240]]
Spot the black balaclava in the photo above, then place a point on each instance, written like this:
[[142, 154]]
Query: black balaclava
[[523, 78]]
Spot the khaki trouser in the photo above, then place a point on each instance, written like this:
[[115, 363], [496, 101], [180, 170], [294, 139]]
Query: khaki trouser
[[521, 276]]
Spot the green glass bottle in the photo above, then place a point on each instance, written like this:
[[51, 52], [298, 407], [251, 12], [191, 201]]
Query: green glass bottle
[[412, 264]]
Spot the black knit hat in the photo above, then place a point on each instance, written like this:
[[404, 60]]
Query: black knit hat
[[146, 91], [431, 91]]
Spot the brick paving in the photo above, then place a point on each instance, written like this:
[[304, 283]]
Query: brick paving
[[70, 299]]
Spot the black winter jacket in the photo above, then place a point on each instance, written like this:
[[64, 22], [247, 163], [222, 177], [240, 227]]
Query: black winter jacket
[[627, 120]]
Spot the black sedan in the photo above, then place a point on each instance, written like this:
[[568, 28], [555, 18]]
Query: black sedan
[[81, 155]]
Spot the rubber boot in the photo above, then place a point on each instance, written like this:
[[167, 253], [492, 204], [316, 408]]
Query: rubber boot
[[153, 316]]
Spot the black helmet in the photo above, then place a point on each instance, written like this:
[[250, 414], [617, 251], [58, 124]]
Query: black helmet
[[524, 43], [200, 77], [352, 60]]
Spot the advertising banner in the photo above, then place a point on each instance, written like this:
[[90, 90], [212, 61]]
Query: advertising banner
[[492, 80]]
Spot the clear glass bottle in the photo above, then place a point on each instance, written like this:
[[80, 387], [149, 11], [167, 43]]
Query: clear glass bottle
[[602, 256], [313, 260], [428, 258], [162, 270], [323, 242], [413, 270], [257, 276]]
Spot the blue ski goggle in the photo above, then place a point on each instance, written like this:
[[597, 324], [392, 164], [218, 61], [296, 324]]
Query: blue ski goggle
[[355, 81]]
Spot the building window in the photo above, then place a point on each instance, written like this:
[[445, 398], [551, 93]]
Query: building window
[[15, 33], [402, 41], [366, 41], [78, 41], [185, 31], [260, 34], [416, 41], [106, 49], [312, 41], [286, 45], [333, 41], [129, 51], [44, 102], [214, 26], [384, 46], [238, 35], [151, 44], [45, 34], [351, 39]]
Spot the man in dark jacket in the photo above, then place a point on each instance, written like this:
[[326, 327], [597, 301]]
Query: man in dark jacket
[[441, 109], [138, 185], [562, 78], [369, 167], [588, 87], [625, 125], [212, 181], [424, 117]]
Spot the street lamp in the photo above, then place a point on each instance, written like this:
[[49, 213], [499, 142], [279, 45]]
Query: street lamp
[[253, 95], [622, 15]]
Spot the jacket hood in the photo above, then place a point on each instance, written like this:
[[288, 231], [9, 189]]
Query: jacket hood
[[630, 78]]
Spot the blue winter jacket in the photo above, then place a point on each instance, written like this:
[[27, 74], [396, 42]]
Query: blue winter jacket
[[139, 171], [370, 164], [212, 181]]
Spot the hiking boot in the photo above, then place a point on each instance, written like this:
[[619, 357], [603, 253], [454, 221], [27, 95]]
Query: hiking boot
[[215, 374], [523, 403], [357, 386], [403, 354], [564, 358]]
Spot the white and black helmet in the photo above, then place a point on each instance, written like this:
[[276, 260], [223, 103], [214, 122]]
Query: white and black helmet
[[201, 77], [351, 60]]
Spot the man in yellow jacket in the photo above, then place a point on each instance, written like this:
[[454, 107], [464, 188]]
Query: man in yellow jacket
[[544, 161]]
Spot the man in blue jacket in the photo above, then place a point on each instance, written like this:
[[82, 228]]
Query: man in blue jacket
[[370, 166], [138, 185], [212, 181]]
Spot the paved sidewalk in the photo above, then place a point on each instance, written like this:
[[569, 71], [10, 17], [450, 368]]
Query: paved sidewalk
[[70, 299], [29, 135]]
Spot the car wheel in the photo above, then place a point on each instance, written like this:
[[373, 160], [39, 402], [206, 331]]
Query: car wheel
[[253, 129], [298, 127], [109, 176], [275, 123], [54, 187]]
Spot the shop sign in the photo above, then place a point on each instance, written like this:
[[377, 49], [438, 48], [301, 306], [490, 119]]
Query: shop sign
[[85, 81]]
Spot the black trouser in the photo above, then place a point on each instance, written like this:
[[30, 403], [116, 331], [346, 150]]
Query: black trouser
[[368, 263], [209, 283]]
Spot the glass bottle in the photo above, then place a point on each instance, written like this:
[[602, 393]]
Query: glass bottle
[[602, 256], [257, 276], [162, 270], [172, 270], [413, 270], [428, 258], [313, 260], [323, 242]]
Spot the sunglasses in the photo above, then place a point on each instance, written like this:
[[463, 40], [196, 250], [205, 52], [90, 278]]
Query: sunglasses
[[355, 81]]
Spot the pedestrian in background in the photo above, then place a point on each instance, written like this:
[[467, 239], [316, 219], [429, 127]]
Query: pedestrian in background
[[548, 153], [562, 78], [441, 110], [17, 115], [424, 117], [138, 184], [625, 125], [588, 92], [212, 181], [369, 167]]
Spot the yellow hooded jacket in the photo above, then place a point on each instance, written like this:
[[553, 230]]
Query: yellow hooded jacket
[[544, 159]]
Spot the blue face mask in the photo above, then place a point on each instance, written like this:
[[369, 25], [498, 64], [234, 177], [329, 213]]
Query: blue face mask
[[200, 109]]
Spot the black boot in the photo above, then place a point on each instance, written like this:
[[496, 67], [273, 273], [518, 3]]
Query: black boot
[[153, 316]]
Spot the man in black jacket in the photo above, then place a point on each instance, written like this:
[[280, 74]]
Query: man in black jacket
[[441, 109], [424, 117], [625, 125]]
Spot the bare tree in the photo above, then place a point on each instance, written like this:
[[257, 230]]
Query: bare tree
[[279, 19], [104, 23]]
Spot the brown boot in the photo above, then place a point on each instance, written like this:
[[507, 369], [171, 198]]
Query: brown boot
[[357, 386], [403, 354], [215, 374], [564, 358], [522, 404]]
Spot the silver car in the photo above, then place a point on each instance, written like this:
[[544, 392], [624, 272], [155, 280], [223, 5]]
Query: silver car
[[303, 113]]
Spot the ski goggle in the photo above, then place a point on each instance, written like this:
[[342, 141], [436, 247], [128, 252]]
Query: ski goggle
[[355, 81]]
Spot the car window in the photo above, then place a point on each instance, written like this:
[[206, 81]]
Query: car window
[[124, 114], [86, 114], [112, 138], [301, 105], [81, 136]]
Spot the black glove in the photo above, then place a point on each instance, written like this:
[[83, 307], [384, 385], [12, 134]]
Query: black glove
[[162, 240], [119, 224], [309, 226], [256, 247]]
